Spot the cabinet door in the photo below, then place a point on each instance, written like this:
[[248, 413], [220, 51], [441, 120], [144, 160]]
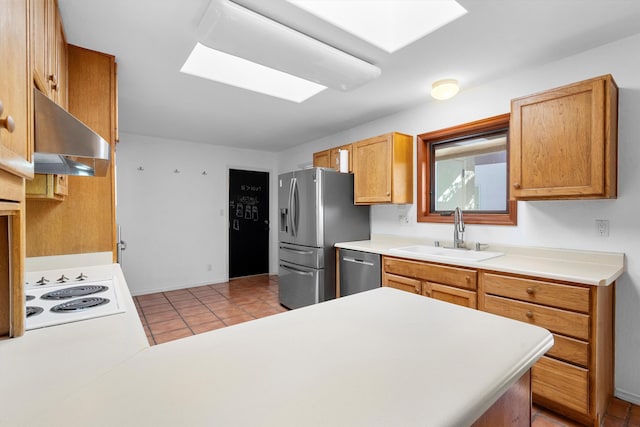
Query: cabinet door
[[372, 160], [12, 307], [322, 159], [450, 294], [40, 42], [563, 142], [15, 86], [562, 383], [61, 63], [403, 283]]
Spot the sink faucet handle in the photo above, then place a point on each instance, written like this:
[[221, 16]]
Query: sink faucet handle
[[481, 246]]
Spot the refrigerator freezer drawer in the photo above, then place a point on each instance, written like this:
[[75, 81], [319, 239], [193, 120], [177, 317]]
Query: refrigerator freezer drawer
[[299, 286], [302, 255]]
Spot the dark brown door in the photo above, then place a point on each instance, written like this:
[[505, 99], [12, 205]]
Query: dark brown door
[[248, 223]]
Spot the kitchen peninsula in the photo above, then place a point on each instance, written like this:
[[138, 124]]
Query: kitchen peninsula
[[382, 357]]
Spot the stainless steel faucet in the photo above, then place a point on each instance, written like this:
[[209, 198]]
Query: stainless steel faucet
[[458, 229]]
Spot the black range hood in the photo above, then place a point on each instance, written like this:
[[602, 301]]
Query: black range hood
[[63, 144]]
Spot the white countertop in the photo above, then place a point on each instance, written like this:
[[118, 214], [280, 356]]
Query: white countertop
[[38, 369], [382, 357], [585, 267]]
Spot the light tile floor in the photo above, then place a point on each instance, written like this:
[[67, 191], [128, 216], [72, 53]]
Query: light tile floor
[[177, 314]]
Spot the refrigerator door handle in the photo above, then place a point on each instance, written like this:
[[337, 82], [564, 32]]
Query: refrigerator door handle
[[296, 271], [295, 211], [357, 261], [291, 213]]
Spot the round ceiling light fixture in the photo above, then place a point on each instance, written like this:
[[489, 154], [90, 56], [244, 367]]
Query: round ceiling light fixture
[[444, 89]]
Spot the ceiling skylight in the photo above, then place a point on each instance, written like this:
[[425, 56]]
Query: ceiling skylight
[[228, 69], [387, 24]]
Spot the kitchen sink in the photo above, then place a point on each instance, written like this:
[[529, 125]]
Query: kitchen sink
[[446, 253]]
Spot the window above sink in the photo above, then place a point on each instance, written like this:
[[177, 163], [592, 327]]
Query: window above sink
[[466, 166]]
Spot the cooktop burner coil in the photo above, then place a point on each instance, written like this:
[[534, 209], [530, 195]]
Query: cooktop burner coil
[[33, 311], [79, 304], [75, 291]]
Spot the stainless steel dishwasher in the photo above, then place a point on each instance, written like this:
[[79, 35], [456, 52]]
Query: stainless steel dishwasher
[[359, 271]]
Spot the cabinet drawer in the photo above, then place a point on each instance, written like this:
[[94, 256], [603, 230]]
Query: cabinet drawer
[[562, 383], [450, 294], [570, 350], [453, 276], [547, 293], [402, 283], [556, 320]]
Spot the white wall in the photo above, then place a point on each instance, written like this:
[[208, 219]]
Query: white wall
[[559, 224], [176, 224]]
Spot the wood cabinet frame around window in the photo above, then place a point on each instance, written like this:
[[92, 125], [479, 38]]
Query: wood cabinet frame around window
[[424, 173]]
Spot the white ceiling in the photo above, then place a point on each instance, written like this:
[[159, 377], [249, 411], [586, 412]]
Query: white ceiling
[[152, 38]]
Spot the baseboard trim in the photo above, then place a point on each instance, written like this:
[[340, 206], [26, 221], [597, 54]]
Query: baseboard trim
[[627, 396]]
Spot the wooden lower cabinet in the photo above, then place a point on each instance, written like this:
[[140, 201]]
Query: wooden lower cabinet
[[12, 250], [561, 382], [512, 409], [450, 294], [451, 284], [575, 377]]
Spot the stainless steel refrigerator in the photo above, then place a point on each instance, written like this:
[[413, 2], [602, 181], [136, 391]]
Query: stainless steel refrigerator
[[316, 211]]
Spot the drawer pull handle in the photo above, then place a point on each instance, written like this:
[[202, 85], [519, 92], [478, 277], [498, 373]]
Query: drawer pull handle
[[8, 123], [516, 186], [531, 291], [529, 314]]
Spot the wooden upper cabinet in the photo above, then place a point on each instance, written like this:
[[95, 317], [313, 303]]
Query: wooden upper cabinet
[[49, 50], [60, 81], [40, 40], [563, 142], [50, 76], [331, 158], [383, 169], [335, 157], [322, 159], [61, 228], [15, 84]]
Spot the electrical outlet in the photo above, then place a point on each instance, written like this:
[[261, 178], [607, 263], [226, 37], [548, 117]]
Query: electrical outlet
[[602, 227], [403, 219], [208, 267]]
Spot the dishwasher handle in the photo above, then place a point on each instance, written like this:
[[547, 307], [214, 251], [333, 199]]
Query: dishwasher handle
[[357, 261]]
